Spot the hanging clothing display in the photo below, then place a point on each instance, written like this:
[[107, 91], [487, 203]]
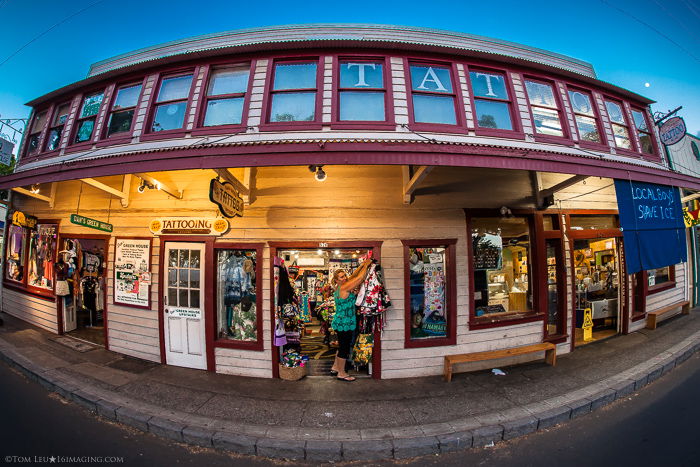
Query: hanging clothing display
[[373, 299], [237, 292]]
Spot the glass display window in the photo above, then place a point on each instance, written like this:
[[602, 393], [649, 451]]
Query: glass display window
[[38, 124], [433, 94], [659, 276], [293, 93], [237, 307], [501, 267], [87, 117], [16, 251], [619, 124], [56, 130], [361, 93], [171, 103], [42, 256], [226, 95], [585, 115], [123, 109], [491, 100], [544, 107], [646, 140]]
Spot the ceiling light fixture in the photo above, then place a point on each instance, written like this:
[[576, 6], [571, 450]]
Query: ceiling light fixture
[[144, 184], [319, 174], [34, 188]]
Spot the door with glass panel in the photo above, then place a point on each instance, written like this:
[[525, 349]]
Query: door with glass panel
[[183, 305]]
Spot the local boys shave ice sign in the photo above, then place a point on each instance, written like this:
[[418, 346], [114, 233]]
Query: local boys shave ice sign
[[655, 202], [188, 226]]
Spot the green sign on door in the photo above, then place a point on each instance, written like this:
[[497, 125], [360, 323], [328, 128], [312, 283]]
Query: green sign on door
[[90, 223]]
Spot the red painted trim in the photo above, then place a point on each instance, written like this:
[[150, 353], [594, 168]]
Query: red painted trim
[[654, 156], [259, 344], [208, 298], [460, 118], [669, 284], [516, 121], [147, 134], [265, 123], [375, 246], [59, 307], [450, 295], [536, 258], [389, 119], [125, 136], [114, 273]]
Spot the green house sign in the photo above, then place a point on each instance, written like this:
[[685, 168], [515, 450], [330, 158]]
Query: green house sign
[[90, 223]]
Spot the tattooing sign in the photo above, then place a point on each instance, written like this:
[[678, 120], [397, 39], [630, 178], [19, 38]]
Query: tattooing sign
[[188, 226], [652, 222]]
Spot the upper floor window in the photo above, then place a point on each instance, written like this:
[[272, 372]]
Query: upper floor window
[[60, 116], [643, 131], [433, 94], [695, 149], [362, 93], [171, 103], [545, 111], [87, 117], [123, 109], [586, 119], [491, 100], [293, 93], [35, 132], [226, 95], [619, 124]]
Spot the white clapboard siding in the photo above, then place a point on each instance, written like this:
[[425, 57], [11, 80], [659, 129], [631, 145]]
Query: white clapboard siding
[[34, 310], [359, 203]]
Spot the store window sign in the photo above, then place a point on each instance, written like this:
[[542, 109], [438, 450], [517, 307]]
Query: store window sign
[[6, 148], [652, 222], [21, 219], [361, 75], [91, 223], [188, 226], [580, 102], [489, 85], [672, 131], [431, 79]]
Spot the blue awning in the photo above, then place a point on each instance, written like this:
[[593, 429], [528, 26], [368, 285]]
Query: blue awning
[[651, 219]]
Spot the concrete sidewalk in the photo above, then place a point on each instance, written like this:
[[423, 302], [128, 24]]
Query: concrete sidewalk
[[321, 419]]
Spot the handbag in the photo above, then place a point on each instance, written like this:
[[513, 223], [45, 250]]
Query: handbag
[[362, 350], [280, 334], [62, 288]]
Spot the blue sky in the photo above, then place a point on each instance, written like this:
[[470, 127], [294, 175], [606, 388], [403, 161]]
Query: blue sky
[[629, 43]]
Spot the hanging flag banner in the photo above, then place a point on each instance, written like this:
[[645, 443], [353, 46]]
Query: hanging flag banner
[[651, 220], [691, 218]]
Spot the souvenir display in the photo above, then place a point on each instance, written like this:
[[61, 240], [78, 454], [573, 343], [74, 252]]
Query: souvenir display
[[428, 296], [237, 301]]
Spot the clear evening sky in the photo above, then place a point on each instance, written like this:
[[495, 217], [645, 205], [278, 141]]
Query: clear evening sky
[[45, 45]]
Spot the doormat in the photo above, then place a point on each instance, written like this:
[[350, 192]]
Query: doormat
[[132, 365], [78, 346]]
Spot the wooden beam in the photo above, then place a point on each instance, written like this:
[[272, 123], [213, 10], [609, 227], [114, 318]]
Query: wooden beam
[[52, 196], [126, 188], [536, 180], [561, 185], [406, 173], [417, 177], [103, 187], [160, 185], [249, 174], [24, 191], [228, 177]]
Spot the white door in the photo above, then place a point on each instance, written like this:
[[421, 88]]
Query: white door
[[70, 322], [183, 308]]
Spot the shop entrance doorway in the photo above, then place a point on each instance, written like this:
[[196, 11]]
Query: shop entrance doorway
[[597, 289], [183, 305], [310, 268], [81, 262]]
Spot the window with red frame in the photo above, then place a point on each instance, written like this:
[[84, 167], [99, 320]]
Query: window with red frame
[[491, 100], [87, 117], [433, 94], [585, 116], [35, 132], [643, 131], [16, 253], [620, 127], [293, 93], [171, 103], [237, 306], [123, 108], [545, 111], [226, 95], [60, 116], [361, 93]]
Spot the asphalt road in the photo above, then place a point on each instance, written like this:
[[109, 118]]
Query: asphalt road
[[657, 426]]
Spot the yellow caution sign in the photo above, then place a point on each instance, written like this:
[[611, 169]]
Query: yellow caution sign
[[587, 325]]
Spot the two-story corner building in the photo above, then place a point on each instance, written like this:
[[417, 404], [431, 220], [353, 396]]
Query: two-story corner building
[[481, 173]]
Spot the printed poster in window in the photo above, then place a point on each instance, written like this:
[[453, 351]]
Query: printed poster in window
[[487, 251], [434, 321], [132, 277]]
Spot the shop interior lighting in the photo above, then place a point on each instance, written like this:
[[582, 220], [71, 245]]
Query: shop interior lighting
[[319, 174], [320, 252], [34, 188], [144, 184], [337, 252]]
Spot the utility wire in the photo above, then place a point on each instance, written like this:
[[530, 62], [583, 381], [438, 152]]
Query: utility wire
[[46, 31], [652, 28]]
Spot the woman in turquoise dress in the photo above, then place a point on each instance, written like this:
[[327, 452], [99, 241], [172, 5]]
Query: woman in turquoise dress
[[345, 321]]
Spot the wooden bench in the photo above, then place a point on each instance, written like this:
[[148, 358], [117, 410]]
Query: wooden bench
[[653, 316], [549, 349]]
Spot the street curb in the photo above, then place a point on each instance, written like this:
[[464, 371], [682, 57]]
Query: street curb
[[334, 448]]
